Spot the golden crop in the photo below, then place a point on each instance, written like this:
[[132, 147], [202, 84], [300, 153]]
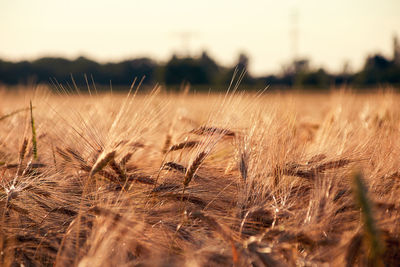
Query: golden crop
[[160, 179]]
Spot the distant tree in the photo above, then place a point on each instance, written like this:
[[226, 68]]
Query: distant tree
[[378, 70], [396, 50], [317, 79], [240, 66], [243, 61], [124, 72], [300, 69], [294, 74], [178, 70], [211, 68], [269, 80], [47, 67], [201, 70]]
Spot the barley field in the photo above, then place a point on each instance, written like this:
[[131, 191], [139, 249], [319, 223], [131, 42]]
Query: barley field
[[190, 179]]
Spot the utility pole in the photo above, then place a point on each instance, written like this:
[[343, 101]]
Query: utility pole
[[294, 33], [396, 50], [185, 38], [294, 43]]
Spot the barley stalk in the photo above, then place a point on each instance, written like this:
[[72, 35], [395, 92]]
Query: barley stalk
[[206, 130]]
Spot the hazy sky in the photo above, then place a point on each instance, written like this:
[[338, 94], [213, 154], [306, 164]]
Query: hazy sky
[[329, 32]]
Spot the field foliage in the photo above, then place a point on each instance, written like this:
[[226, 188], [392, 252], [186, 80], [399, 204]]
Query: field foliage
[[230, 179]]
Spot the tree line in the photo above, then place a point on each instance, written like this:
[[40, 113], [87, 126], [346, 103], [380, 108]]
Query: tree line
[[201, 70]]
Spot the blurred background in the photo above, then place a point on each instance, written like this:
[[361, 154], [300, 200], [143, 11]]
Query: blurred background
[[307, 44]]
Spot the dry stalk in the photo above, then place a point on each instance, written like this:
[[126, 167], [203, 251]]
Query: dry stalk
[[179, 196], [184, 145], [316, 158], [206, 130], [75, 154], [63, 154], [213, 224]]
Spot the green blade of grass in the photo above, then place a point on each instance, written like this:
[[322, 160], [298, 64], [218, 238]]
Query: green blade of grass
[[34, 142], [371, 231]]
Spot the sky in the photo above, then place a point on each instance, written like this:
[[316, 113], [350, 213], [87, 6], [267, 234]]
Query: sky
[[329, 33]]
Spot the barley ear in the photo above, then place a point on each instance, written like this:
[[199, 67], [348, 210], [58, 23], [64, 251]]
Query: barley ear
[[22, 151], [101, 163], [193, 168], [118, 169], [183, 145], [167, 143], [243, 165]]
